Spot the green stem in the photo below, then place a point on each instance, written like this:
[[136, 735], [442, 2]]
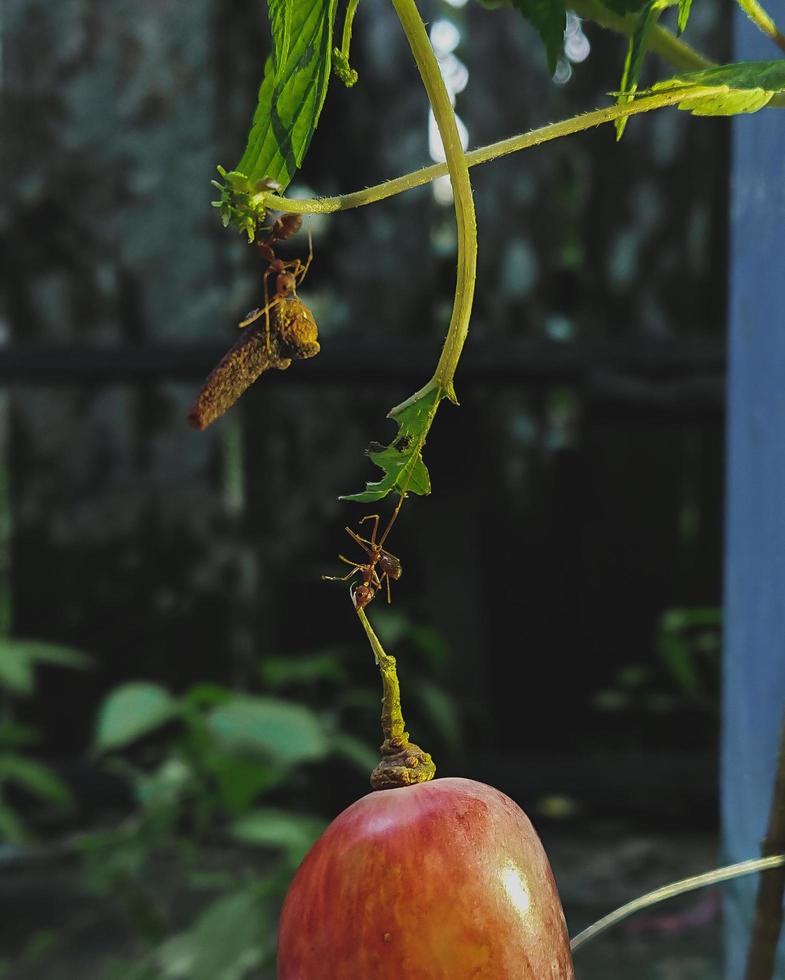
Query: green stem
[[458, 169], [661, 41], [348, 23], [763, 21], [341, 65], [403, 763], [393, 725], [484, 154]]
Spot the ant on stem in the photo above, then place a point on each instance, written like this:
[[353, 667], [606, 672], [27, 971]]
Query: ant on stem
[[389, 565], [288, 275]]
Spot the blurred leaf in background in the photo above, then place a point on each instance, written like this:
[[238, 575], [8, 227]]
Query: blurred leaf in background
[[688, 644], [22, 777]]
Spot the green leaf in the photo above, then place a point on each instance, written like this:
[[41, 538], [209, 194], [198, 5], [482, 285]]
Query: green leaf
[[404, 469], [290, 101], [207, 694], [283, 730], [16, 671], [240, 779], [315, 668], [11, 827], [225, 942], [35, 778], [636, 53], [685, 6], [19, 657], [549, 18], [131, 711], [280, 830], [745, 86]]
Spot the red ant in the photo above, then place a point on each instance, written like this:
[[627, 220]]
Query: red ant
[[288, 275], [389, 565]]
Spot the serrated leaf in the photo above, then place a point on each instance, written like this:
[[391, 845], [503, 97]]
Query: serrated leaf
[[293, 89], [284, 730], [726, 90], [549, 18], [35, 778], [685, 6], [636, 53], [401, 460], [131, 711], [279, 14]]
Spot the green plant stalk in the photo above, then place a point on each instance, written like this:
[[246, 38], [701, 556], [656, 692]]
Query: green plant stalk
[[458, 169], [763, 21], [484, 154], [403, 763], [661, 41], [393, 725], [348, 23]]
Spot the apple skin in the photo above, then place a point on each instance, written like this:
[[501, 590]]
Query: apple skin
[[445, 880]]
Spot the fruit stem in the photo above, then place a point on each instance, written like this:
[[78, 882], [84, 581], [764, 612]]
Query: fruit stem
[[403, 763]]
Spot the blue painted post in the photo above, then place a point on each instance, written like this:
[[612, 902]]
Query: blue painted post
[[754, 665]]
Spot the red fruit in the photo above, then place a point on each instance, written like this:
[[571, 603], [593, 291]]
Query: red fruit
[[445, 879]]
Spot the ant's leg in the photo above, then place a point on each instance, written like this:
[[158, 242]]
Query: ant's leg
[[365, 545], [389, 596], [344, 578], [392, 520], [375, 518], [300, 274], [266, 311], [262, 310], [252, 317]]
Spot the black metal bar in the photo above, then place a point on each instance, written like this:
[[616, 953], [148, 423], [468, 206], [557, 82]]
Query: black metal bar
[[342, 361]]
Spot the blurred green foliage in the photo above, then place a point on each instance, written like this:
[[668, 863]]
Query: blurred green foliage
[[685, 675], [19, 773], [198, 865]]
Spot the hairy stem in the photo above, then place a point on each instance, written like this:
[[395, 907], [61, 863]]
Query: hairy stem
[[458, 169], [768, 909], [484, 154], [763, 21]]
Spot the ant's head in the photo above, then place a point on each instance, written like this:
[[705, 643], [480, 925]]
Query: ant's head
[[285, 284], [362, 595]]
